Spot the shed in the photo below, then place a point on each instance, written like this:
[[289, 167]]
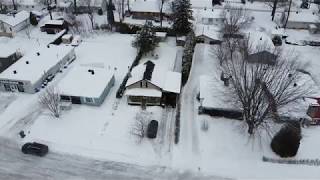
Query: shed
[[86, 85], [208, 35], [149, 9]]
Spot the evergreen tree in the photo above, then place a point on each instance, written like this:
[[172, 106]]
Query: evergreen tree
[[287, 141], [182, 14], [145, 40], [33, 19], [187, 56]]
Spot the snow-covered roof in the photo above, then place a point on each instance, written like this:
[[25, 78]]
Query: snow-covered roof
[[6, 51], [16, 19], [259, 40], [21, 2], [81, 82], [213, 93], [172, 82], [210, 13], [149, 6], [304, 16], [37, 65], [161, 77], [143, 92], [161, 34], [208, 31], [279, 32], [55, 22]]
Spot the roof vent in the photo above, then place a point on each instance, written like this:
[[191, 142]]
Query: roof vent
[[38, 54], [48, 46], [297, 12], [27, 62], [260, 38], [14, 72]]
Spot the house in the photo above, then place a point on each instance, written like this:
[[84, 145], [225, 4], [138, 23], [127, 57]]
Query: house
[[208, 35], [22, 4], [8, 56], [209, 16], [54, 26], [29, 73], [301, 19], [149, 9], [150, 84], [86, 85], [10, 25], [161, 36], [214, 101], [261, 48]]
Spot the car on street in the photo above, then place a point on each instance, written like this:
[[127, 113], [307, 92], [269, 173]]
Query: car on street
[[35, 149]]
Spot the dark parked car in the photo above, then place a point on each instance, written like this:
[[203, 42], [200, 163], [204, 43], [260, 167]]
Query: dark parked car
[[152, 129], [35, 149]]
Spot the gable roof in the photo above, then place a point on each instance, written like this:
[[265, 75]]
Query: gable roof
[[16, 19]]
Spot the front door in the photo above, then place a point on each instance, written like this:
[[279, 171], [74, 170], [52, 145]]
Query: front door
[[13, 87]]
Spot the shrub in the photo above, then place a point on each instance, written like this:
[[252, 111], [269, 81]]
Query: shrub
[[33, 19], [287, 141]]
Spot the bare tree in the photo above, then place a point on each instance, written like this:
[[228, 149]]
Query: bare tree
[[288, 14], [139, 126], [276, 4], [50, 100], [261, 89], [161, 5], [120, 9], [235, 19]]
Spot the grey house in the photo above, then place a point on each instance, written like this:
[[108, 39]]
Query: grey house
[[86, 85], [7, 58]]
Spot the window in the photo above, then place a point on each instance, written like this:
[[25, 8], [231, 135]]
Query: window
[[7, 87], [146, 84], [20, 88], [89, 100]]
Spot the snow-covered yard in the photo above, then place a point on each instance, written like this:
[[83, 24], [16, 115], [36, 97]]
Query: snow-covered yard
[[99, 132]]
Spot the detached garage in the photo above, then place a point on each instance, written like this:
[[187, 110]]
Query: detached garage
[[86, 85]]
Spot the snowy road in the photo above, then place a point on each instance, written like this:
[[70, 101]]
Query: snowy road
[[16, 166]]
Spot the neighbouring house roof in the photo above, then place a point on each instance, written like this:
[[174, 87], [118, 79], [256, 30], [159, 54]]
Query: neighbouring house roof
[[304, 16], [21, 2], [149, 6], [161, 34], [260, 41], [6, 51], [16, 19], [209, 14], [208, 31], [38, 65], [81, 82], [55, 22], [214, 94], [162, 78]]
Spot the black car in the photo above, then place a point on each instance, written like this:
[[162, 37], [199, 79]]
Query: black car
[[152, 129], [35, 149]]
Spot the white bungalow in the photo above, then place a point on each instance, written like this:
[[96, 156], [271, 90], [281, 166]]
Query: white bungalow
[[29, 73]]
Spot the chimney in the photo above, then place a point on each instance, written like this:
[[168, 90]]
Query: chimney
[[92, 72], [27, 62], [14, 72], [38, 54], [260, 38]]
